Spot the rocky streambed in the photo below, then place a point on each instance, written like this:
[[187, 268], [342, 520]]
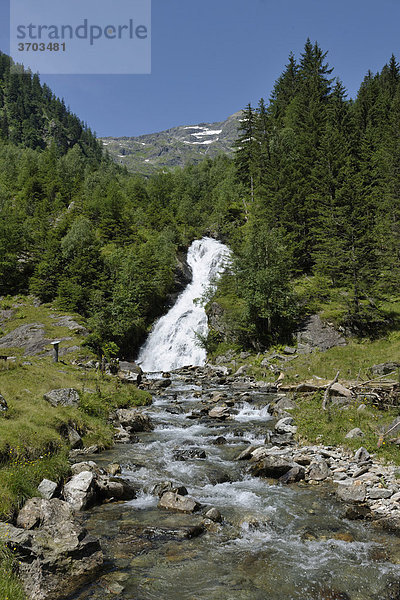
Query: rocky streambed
[[217, 501]]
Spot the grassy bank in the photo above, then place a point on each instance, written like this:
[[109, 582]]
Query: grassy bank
[[33, 441]]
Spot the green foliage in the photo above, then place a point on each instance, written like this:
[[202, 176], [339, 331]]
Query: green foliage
[[10, 586]]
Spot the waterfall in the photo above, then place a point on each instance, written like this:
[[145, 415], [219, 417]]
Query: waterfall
[[173, 343]]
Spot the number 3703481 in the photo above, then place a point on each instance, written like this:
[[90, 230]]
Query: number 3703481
[[41, 47]]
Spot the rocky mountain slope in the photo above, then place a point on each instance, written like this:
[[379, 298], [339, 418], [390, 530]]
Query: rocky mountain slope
[[174, 147]]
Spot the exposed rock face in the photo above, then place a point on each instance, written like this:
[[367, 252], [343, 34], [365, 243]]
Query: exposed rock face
[[317, 334], [62, 397], [70, 323], [31, 337], [56, 556]]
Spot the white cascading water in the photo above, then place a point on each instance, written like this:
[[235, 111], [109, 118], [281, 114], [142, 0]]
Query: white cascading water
[[173, 342]]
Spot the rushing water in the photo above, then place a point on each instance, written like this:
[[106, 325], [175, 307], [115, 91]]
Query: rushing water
[[173, 342], [276, 542]]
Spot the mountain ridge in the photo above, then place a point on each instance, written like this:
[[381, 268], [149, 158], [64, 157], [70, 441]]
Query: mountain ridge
[[174, 147]]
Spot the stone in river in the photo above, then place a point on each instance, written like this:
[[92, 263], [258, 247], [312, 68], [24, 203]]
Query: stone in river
[[173, 501], [272, 466], [295, 474], [351, 493]]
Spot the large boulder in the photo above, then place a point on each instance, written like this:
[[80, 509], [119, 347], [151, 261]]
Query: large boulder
[[178, 503], [80, 491], [56, 556], [62, 397], [272, 466], [134, 420]]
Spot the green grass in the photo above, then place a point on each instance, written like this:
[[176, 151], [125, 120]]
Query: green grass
[[331, 426], [10, 585]]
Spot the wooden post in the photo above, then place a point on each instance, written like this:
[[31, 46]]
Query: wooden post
[[55, 345]]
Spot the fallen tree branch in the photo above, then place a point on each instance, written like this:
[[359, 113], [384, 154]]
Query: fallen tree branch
[[327, 392]]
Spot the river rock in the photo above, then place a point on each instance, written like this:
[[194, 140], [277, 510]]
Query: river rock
[[167, 486], [246, 454], [295, 474], [219, 412], [134, 420], [183, 455], [130, 372], [62, 397], [56, 556], [272, 466], [176, 502], [74, 439], [160, 384], [113, 469], [318, 470], [354, 433], [47, 489], [214, 515], [80, 491], [283, 404], [88, 465], [285, 425], [114, 488], [351, 493]]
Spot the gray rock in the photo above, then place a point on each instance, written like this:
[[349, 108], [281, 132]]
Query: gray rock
[[114, 488], [289, 350], [113, 469], [241, 371], [54, 551], [219, 412], [30, 337], [351, 493], [62, 397], [176, 502], [385, 368], [167, 486], [74, 439], [80, 491], [72, 325], [285, 425], [284, 404], [318, 470], [337, 389], [47, 489], [134, 420], [362, 455], [354, 433], [379, 493], [246, 453], [295, 474], [3, 404], [130, 372], [318, 334], [88, 465], [214, 515], [272, 466], [183, 455]]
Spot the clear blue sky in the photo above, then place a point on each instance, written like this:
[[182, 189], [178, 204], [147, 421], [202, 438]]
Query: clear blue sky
[[211, 57]]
